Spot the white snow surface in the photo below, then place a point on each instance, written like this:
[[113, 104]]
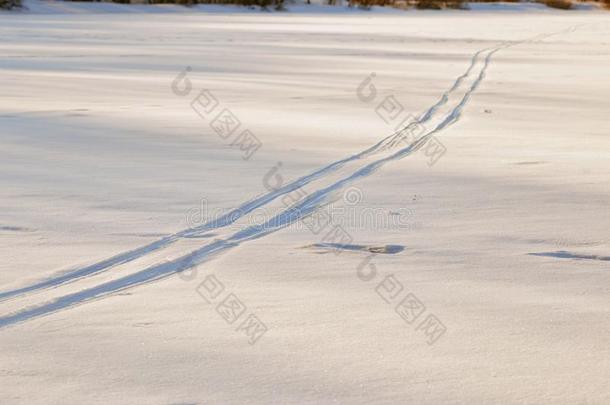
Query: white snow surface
[[104, 170]]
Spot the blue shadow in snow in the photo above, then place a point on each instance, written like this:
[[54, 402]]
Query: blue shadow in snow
[[562, 254]]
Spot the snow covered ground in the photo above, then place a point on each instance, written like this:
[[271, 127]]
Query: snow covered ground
[[156, 254]]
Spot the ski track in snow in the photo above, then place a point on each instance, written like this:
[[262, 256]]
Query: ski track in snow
[[235, 214], [303, 208]]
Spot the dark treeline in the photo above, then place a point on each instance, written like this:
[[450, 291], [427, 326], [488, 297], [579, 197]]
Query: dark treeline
[[363, 4], [276, 4], [9, 4], [404, 4], [279, 4]]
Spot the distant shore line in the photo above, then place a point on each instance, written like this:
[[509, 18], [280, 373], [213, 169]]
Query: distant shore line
[[364, 5]]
